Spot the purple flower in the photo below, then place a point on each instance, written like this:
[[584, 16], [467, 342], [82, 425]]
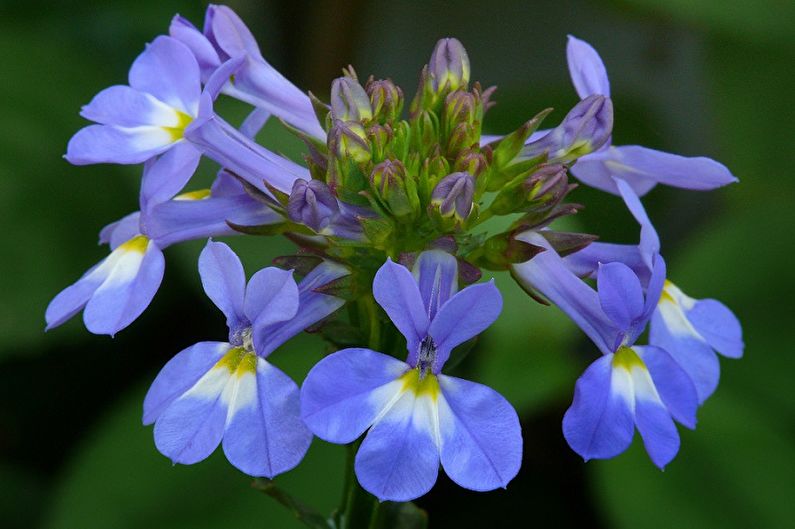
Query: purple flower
[[630, 386], [452, 196], [258, 83], [449, 65], [146, 118], [585, 129], [415, 416], [227, 392], [312, 204], [120, 287], [641, 167]]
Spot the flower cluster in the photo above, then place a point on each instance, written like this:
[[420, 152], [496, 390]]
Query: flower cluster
[[385, 212]]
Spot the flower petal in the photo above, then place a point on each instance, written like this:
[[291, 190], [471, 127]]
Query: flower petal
[[265, 436], [658, 431], [719, 326], [597, 170], [599, 423], [689, 351], [123, 145], [204, 52], [271, 296], [588, 73], [127, 107], [224, 281], [165, 176], [191, 428], [674, 386], [395, 289], [168, 70], [121, 231], [464, 316], [481, 439], [312, 307], [585, 263], [347, 391], [399, 458], [649, 241], [129, 287], [547, 273], [436, 273], [620, 294], [179, 375]]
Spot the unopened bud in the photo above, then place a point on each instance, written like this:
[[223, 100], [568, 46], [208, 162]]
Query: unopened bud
[[386, 99], [395, 188], [452, 196], [350, 140], [312, 204], [462, 137], [460, 107], [541, 190], [584, 129], [449, 66], [349, 101], [472, 161]]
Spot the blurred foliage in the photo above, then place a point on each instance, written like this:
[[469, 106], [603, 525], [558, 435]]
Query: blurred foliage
[[698, 77]]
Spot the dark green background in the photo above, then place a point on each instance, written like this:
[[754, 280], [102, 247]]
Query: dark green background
[[711, 77]]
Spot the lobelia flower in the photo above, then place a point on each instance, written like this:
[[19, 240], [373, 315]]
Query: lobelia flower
[[691, 331], [630, 386], [416, 416], [225, 36], [227, 392], [120, 287], [146, 118], [641, 167]]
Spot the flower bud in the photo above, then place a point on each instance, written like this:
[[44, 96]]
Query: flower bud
[[349, 101], [472, 161], [386, 99], [395, 188], [584, 129], [350, 141], [452, 196], [460, 107], [312, 204], [379, 137], [541, 190], [449, 66], [463, 137]]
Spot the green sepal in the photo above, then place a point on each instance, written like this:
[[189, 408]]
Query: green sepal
[[506, 149], [271, 229], [302, 264], [400, 515], [566, 243], [501, 251], [345, 287], [377, 230], [322, 111]]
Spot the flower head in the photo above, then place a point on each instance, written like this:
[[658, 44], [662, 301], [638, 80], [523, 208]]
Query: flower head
[[418, 417]]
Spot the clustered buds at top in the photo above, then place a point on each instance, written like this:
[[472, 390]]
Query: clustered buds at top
[[542, 189], [449, 66], [350, 140], [349, 101], [386, 99], [312, 204]]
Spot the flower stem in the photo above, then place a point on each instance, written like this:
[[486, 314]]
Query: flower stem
[[306, 515]]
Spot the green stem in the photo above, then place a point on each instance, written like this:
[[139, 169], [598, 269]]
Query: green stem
[[306, 515]]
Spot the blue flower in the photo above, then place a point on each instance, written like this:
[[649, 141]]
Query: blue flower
[[416, 416], [641, 167], [630, 386], [227, 392], [120, 287]]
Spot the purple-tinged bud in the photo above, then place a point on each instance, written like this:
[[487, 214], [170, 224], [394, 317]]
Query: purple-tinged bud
[[452, 196], [349, 101], [585, 128], [396, 190], [312, 204], [349, 140], [463, 137], [460, 107], [540, 191], [386, 99], [449, 66], [380, 136], [472, 161]]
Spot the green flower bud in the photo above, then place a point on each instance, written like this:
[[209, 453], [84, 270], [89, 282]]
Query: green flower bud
[[395, 188], [386, 99], [349, 101], [542, 190], [349, 139]]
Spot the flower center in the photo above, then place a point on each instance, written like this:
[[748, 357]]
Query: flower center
[[426, 356]]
